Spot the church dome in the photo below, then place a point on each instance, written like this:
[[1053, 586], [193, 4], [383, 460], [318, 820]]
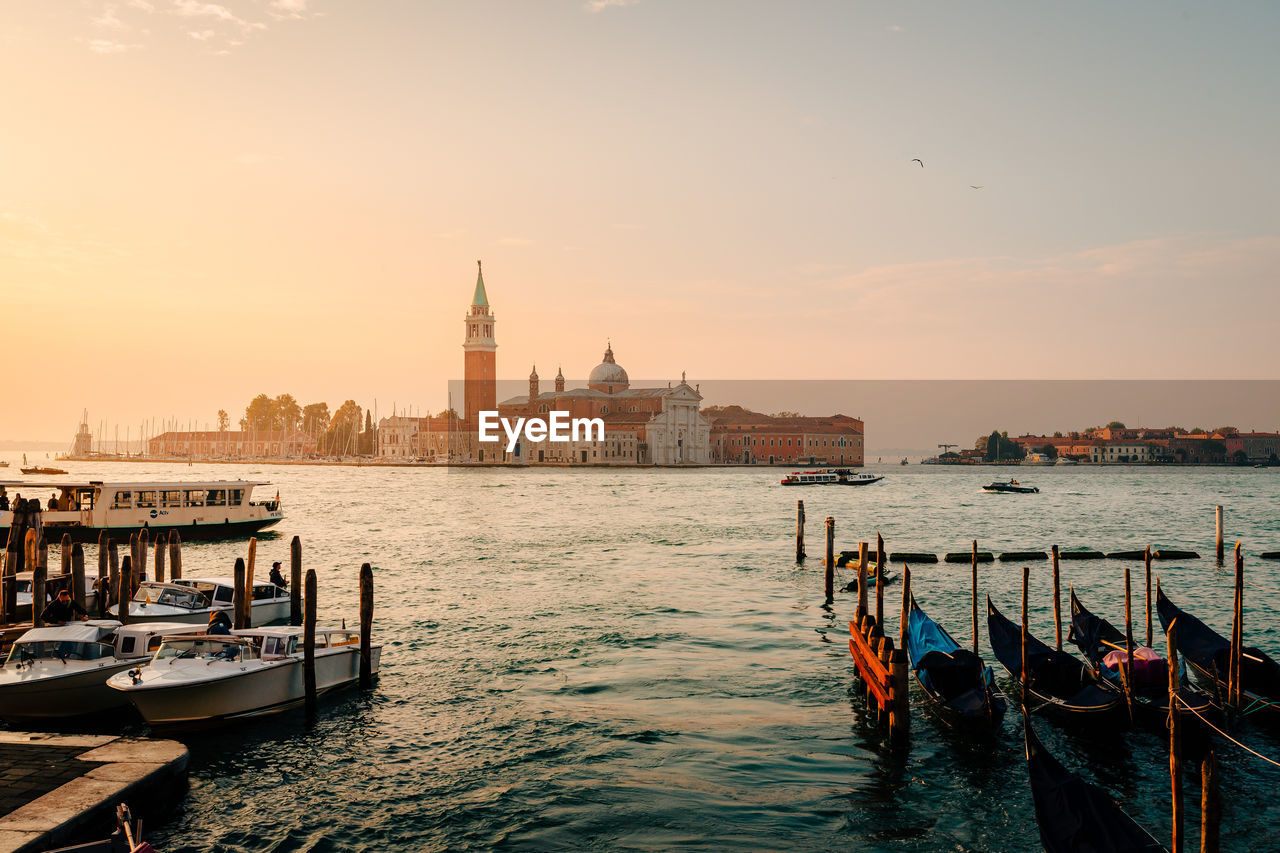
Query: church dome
[[608, 375]]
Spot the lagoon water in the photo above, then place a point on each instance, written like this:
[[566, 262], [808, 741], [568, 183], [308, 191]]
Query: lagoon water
[[632, 660]]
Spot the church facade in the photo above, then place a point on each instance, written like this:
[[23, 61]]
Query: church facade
[[642, 426]]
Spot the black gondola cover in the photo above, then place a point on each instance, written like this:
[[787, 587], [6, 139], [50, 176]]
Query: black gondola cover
[[1054, 674]]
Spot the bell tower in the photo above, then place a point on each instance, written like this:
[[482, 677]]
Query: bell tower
[[480, 350]]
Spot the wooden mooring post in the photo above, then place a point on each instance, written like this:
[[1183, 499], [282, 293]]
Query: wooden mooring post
[[175, 555], [1175, 740], [1146, 560], [366, 625], [122, 581], [881, 667], [253, 558], [1126, 671], [309, 642], [162, 548], [64, 553], [238, 597], [77, 575], [140, 566], [1237, 635], [38, 574], [1024, 677], [879, 579], [104, 575], [1210, 804], [1057, 601], [831, 558], [862, 581], [974, 593], [295, 582], [1217, 516], [800, 555]]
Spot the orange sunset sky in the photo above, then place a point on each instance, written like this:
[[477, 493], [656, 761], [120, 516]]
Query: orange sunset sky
[[204, 201]]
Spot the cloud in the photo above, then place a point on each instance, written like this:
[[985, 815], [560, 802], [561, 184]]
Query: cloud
[[201, 35], [595, 6], [109, 20], [289, 8], [107, 46]]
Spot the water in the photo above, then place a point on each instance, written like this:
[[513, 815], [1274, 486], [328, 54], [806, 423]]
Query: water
[[631, 660]]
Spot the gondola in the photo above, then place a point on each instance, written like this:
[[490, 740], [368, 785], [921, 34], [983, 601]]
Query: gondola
[[1207, 654], [1059, 681], [959, 684], [1076, 815], [1099, 640]]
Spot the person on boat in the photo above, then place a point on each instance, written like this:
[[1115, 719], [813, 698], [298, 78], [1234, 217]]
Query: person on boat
[[62, 609], [219, 623], [4, 501], [277, 578], [53, 501]]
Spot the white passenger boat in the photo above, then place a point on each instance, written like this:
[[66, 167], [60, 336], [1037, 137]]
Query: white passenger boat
[[203, 679], [193, 600], [25, 581], [61, 672], [811, 478], [214, 509], [1036, 458]]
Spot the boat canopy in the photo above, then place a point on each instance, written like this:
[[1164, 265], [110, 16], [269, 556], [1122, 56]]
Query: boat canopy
[[72, 632]]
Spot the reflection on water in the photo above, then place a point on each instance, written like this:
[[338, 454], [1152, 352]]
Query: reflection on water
[[631, 660]]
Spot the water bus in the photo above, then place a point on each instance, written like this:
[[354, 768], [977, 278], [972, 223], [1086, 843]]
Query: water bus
[[214, 509], [828, 477]]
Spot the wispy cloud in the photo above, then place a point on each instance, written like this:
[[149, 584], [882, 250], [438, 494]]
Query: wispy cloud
[[108, 19], [107, 46], [288, 8], [220, 27], [595, 6]]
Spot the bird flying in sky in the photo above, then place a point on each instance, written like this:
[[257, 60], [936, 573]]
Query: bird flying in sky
[[972, 187], [918, 160]]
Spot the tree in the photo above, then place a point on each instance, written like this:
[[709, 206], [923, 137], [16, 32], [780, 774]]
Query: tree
[[448, 413], [1050, 451], [224, 420], [315, 420], [367, 438], [344, 430], [1057, 435], [1240, 457], [1116, 425], [262, 413], [288, 412], [1227, 430], [1002, 447]]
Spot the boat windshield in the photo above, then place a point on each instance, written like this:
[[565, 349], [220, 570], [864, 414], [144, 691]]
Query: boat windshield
[[207, 649], [171, 596], [59, 650]]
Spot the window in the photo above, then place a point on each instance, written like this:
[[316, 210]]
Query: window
[[124, 500], [194, 497], [237, 497], [217, 497], [146, 499], [171, 498]]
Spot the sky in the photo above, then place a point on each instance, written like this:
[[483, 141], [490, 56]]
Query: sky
[[200, 201]]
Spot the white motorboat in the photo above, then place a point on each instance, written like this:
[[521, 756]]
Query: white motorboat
[[203, 679], [61, 671], [194, 600], [1036, 458], [212, 509], [25, 581]]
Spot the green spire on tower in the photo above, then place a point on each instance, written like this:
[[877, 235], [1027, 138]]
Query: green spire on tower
[[481, 298]]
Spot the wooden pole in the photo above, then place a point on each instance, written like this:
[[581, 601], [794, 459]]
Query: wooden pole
[[1023, 676], [1210, 804], [1217, 516], [1175, 740], [133, 555], [1238, 648], [309, 642], [38, 576], [800, 555], [64, 553], [144, 545], [237, 597], [904, 619], [295, 582], [900, 718], [77, 575], [1057, 602], [366, 625], [1146, 559], [831, 558], [175, 555], [104, 574], [123, 578], [973, 587], [881, 559], [162, 549], [862, 582], [253, 558], [1128, 645]]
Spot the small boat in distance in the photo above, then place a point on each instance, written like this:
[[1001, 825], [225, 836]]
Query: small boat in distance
[[852, 478], [212, 509], [830, 476], [1035, 458], [44, 472], [1012, 487], [904, 461]]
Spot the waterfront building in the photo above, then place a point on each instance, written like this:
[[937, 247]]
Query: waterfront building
[[1119, 452], [1253, 446], [751, 438], [233, 444]]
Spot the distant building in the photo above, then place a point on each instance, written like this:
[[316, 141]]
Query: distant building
[[741, 436], [1255, 446], [228, 444]]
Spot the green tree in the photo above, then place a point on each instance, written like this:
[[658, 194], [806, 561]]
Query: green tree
[[1116, 425], [1057, 435], [1050, 451], [315, 419], [1227, 430], [262, 413], [224, 420], [288, 412], [448, 413], [344, 430]]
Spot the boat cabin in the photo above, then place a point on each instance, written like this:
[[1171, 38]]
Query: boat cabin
[[205, 647], [74, 641]]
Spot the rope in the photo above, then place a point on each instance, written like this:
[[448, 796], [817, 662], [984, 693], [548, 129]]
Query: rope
[[1261, 587], [1181, 702]]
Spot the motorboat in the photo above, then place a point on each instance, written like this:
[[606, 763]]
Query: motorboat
[[1035, 458], [43, 472], [193, 600], [25, 581], [61, 671], [203, 679], [211, 509], [848, 478], [811, 478], [1012, 486]]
